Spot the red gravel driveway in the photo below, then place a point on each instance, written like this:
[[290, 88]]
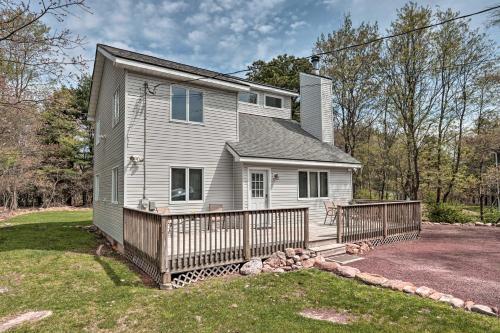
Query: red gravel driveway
[[460, 260]]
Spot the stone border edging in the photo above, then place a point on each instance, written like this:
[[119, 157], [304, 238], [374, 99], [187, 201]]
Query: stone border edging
[[407, 287]]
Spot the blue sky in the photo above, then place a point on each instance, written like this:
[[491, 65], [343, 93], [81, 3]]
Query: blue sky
[[227, 35]]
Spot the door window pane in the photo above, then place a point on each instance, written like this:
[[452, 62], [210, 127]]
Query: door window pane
[[323, 179], [313, 184], [179, 103], [302, 184], [257, 185], [274, 102], [195, 184], [178, 181], [195, 106]]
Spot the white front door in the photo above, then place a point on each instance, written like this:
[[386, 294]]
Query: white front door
[[258, 196]]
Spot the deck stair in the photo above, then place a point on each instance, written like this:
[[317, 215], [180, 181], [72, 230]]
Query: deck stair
[[327, 248]]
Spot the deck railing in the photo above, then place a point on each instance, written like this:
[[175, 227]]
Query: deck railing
[[377, 220], [163, 244]]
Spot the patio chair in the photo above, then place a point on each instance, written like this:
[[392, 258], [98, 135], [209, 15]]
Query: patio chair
[[330, 210]]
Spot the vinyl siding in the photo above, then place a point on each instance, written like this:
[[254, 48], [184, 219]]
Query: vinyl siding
[[316, 113], [171, 144], [109, 153], [284, 192], [261, 110], [238, 185]]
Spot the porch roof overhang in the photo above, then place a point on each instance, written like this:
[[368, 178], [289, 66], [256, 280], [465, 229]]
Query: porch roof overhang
[[290, 162]]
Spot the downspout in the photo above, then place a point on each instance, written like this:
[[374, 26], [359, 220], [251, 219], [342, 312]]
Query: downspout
[[144, 148]]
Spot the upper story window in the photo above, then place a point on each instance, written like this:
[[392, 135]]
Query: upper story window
[[248, 97], [274, 102], [187, 104], [116, 107], [313, 184], [97, 133]]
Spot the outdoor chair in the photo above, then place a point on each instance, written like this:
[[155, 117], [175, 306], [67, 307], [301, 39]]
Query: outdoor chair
[[216, 219], [330, 210]]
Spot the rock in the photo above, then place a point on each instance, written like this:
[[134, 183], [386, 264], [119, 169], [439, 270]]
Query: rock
[[479, 224], [279, 270], [495, 309], [409, 289], [347, 271], [296, 258], [319, 258], [3, 290], [276, 259], [352, 248], [328, 266], [372, 279], [299, 251], [31, 316], [290, 262], [289, 252], [99, 250], [468, 305], [287, 268], [483, 309], [304, 257], [424, 291], [308, 263], [254, 266], [395, 284], [296, 267], [364, 248], [452, 300], [267, 269], [488, 224], [436, 295]]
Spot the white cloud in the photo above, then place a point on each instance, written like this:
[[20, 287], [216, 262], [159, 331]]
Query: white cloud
[[297, 24], [264, 29], [197, 36], [174, 6], [199, 18]]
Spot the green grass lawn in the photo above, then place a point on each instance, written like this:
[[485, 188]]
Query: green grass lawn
[[47, 262]]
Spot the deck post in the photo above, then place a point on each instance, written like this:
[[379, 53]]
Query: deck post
[[306, 228], [246, 236], [385, 221], [162, 246], [340, 223]]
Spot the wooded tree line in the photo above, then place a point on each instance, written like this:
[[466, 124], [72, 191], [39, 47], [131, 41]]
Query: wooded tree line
[[419, 110], [45, 139]]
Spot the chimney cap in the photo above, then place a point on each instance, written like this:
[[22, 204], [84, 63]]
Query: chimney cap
[[315, 64]]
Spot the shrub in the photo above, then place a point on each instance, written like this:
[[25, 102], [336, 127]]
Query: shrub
[[447, 213], [491, 215]]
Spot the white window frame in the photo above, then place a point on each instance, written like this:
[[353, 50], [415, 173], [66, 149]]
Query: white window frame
[[116, 107], [97, 184], [319, 197], [186, 185], [97, 133], [273, 107], [251, 92], [114, 185], [188, 90]]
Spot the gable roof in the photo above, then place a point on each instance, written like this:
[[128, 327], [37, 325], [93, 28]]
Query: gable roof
[[147, 59], [274, 138]]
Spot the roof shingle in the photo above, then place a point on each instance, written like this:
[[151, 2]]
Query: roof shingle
[[266, 137]]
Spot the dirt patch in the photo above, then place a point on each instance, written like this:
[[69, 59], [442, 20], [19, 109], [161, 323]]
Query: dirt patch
[[15, 321], [331, 315]]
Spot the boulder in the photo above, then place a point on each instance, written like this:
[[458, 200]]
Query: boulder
[[304, 257], [319, 258], [290, 262], [276, 259], [287, 268], [308, 263], [372, 279], [483, 309], [289, 252], [479, 224], [267, 269], [252, 267], [299, 251], [410, 289], [328, 266], [468, 305], [279, 270], [452, 300], [364, 248], [347, 271], [395, 284], [296, 258], [424, 291], [436, 295]]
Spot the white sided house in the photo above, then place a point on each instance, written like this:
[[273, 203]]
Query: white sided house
[[182, 138]]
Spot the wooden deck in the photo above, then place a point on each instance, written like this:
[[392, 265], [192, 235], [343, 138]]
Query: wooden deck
[[166, 244]]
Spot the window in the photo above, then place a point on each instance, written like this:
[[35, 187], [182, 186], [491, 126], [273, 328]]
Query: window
[[186, 178], [313, 184], [96, 187], [116, 107], [114, 185], [187, 104], [257, 185], [274, 102], [97, 132], [248, 97]]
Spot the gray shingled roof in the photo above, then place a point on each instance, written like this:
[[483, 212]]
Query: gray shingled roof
[[147, 59], [266, 137]]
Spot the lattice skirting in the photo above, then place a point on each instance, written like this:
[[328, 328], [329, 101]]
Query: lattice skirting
[[143, 264], [187, 278], [395, 238]]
